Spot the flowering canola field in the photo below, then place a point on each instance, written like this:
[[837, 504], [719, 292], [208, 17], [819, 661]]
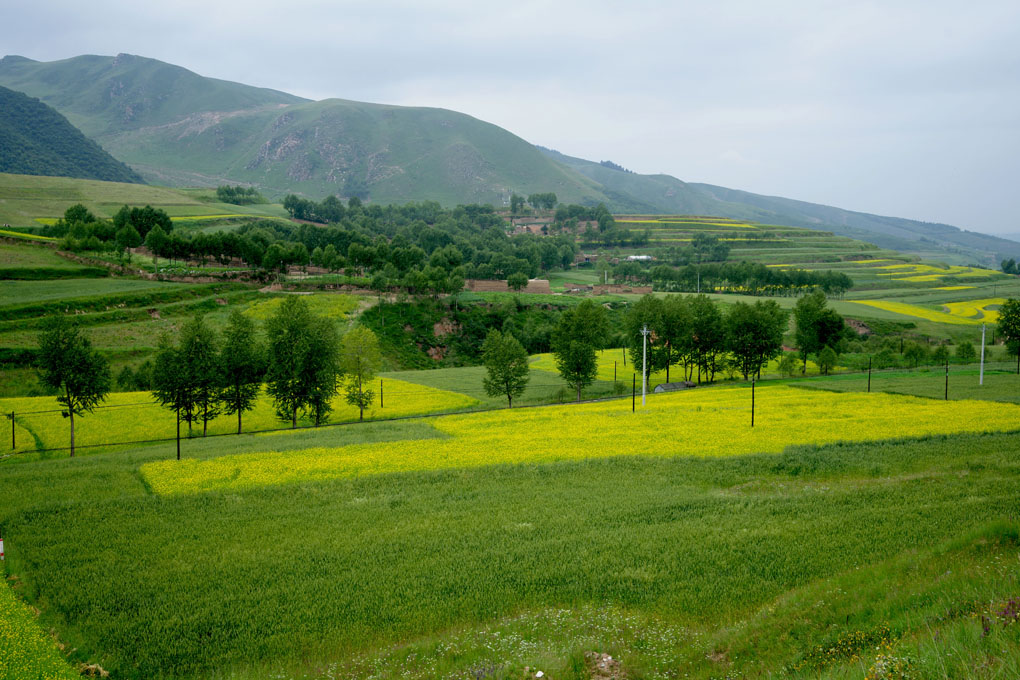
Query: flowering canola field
[[920, 312], [25, 650], [136, 417], [702, 422], [978, 310]]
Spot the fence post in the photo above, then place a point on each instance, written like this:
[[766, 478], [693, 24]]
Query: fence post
[[380, 393], [614, 371], [752, 401], [869, 374], [633, 392], [14, 442], [947, 379]]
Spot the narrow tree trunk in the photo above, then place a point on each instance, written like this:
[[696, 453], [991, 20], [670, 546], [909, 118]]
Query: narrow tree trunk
[[205, 418], [578, 393], [178, 433], [238, 421], [361, 401], [293, 419], [71, 412]]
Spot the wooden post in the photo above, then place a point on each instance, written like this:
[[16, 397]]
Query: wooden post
[[380, 393], [624, 357], [614, 370], [947, 379], [752, 402], [869, 374], [178, 433], [633, 392], [14, 443]]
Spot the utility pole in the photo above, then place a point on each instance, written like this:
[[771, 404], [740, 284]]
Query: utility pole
[[947, 379], [981, 373], [644, 362]]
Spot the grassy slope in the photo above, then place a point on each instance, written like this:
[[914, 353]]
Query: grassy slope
[[25, 198]]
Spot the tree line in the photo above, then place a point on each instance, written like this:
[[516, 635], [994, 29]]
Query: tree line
[[751, 278], [304, 362]]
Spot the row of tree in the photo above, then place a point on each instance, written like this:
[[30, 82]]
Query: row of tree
[[199, 374], [751, 278]]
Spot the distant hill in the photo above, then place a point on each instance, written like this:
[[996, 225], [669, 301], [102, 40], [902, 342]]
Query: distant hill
[[36, 140], [666, 194], [178, 128]]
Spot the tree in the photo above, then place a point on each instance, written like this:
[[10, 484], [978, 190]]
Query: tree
[[360, 360], [506, 366], [242, 364], [580, 333], [827, 360], [816, 325], [1009, 327], [755, 334], [940, 356], [170, 386], [1009, 266], [517, 281], [708, 335], [648, 311], [126, 379], [788, 364], [156, 241], [965, 351], [68, 363], [915, 353], [303, 364], [516, 203], [200, 365], [128, 238]]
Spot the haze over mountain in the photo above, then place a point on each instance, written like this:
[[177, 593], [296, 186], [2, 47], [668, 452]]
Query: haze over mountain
[[36, 140], [179, 128]]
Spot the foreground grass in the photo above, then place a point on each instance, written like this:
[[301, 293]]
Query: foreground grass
[[999, 384], [703, 566]]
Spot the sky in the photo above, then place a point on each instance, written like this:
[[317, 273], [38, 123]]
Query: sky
[[900, 108]]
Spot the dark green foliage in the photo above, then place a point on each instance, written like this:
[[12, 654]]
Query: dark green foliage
[[359, 362], [506, 366], [36, 140], [580, 333], [965, 351], [755, 334], [242, 364], [303, 361], [754, 278], [1009, 324], [827, 360], [517, 281], [239, 195], [817, 326], [68, 363]]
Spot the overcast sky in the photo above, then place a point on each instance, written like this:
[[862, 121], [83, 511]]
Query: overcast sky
[[900, 108]]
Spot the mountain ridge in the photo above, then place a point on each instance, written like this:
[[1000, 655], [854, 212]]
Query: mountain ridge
[[179, 128]]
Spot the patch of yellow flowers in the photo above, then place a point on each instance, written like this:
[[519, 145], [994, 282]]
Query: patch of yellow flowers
[[711, 421], [136, 416], [25, 650], [918, 312]]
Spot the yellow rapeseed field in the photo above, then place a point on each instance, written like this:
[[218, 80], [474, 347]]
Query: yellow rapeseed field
[[25, 650], [330, 305], [918, 312], [703, 422], [136, 417], [977, 310]]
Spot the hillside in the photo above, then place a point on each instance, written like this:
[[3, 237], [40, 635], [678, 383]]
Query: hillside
[[178, 128], [666, 194], [36, 140]]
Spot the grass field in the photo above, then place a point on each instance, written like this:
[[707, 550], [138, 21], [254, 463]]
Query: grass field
[[40, 291], [135, 416], [24, 199], [805, 559]]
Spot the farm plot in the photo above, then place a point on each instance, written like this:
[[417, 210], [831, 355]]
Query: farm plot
[[707, 422], [135, 417], [439, 574]]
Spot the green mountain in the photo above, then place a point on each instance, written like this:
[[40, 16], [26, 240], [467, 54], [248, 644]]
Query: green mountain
[[181, 129], [36, 140]]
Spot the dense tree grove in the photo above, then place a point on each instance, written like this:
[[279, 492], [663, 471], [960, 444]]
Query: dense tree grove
[[692, 332], [751, 278], [239, 195]]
